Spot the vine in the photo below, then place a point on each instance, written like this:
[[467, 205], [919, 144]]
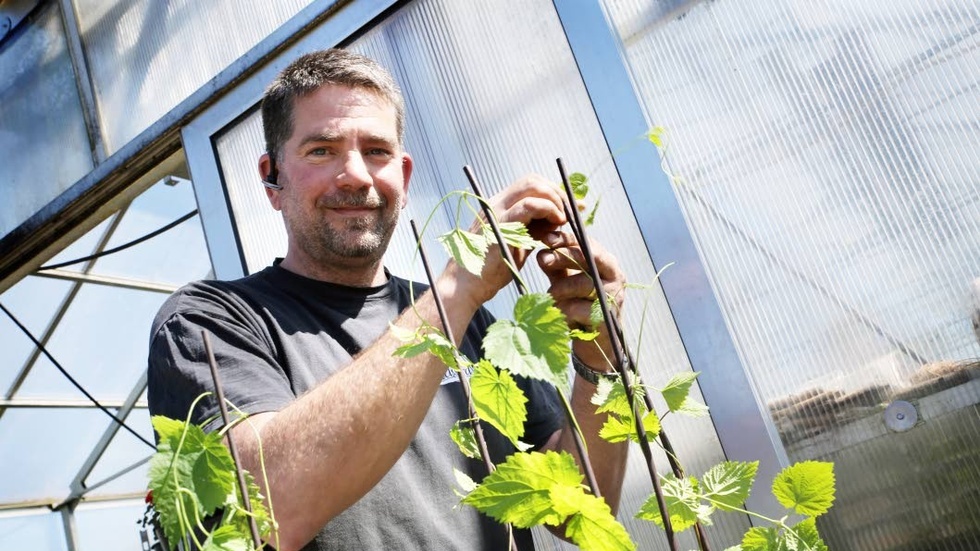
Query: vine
[[192, 476], [534, 488]]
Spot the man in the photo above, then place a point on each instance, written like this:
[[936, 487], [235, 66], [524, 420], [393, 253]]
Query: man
[[355, 441]]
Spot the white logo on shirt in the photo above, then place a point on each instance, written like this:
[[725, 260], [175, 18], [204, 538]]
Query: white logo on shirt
[[452, 377]]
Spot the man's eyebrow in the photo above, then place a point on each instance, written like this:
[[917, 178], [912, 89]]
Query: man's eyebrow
[[330, 137], [323, 137]]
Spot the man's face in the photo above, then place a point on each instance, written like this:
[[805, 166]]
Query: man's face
[[344, 177]]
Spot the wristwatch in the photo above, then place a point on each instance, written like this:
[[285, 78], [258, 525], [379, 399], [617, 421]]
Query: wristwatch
[[590, 374]]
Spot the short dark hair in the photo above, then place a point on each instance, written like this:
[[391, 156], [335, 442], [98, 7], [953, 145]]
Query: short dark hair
[[311, 72]]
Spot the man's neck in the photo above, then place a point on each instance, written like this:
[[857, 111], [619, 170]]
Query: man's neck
[[347, 273]]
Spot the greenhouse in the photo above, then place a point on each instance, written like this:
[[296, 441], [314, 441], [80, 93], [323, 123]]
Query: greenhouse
[[791, 189]]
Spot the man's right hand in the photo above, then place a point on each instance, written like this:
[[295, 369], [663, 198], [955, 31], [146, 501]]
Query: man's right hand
[[531, 200]]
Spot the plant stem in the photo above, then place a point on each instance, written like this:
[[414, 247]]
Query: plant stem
[[585, 462], [242, 485], [463, 381], [618, 346]]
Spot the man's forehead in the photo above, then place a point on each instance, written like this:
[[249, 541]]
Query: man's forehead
[[333, 93]]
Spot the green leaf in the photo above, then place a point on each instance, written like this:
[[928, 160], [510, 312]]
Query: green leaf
[[806, 487], [515, 234], [580, 185], [403, 334], [729, 483], [498, 400], [656, 135], [202, 465], [469, 250], [587, 336], [593, 527], [262, 517], [595, 313], [465, 438], [590, 219], [678, 388], [433, 342], [692, 408], [683, 504], [762, 539], [610, 396], [169, 430], [567, 500], [618, 429], [227, 538], [465, 482], [535, 344], [519, 490], [804, 537]]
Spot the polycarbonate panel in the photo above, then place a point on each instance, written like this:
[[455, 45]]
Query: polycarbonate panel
[[47, 437], [124, 452], [43, 139], [494, 85], [34, 530], [825, 155], [33, 301], [109, 526], [103, 341], [173, 257], [146, 56]]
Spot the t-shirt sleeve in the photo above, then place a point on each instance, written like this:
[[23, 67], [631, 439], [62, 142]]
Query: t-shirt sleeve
[[178, 371]]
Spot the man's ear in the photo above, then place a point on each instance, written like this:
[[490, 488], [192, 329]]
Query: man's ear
[[265, 173], [407, 165]]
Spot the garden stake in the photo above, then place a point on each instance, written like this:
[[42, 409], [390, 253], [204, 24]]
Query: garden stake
[[586, 464], [620, 363], [242, 486], [463, 381], [675, 466]]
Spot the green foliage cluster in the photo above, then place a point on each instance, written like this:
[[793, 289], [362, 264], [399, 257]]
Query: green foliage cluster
[[191, 479], [533, 488]]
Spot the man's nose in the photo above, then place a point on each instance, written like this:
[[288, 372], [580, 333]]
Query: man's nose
[[354, 172]]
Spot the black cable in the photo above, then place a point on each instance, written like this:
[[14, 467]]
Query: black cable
[[150, 235], [72, 379]]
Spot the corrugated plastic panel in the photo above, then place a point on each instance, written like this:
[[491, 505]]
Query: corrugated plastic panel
[[145, 56], [825, 155]]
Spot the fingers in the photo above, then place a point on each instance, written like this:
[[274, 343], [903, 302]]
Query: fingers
[[572, 286], [528, 199]]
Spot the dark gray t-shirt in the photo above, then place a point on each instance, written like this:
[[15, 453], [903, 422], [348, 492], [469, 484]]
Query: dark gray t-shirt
[[276, 335]]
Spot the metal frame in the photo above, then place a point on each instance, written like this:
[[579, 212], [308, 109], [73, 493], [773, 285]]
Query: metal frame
[[83, 81], [744, 428], [202, 159], [111, 281], [62, 309]]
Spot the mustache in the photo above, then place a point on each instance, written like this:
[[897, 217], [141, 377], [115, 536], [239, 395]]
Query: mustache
[[350, 200]]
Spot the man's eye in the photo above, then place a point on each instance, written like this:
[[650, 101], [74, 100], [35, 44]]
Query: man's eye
[[378, 152], [318, 152]]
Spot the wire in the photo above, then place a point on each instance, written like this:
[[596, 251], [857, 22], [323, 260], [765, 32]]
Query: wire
[[72, 379], [137, 241]]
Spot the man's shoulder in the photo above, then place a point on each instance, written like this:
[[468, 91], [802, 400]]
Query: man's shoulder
[[212, 297]]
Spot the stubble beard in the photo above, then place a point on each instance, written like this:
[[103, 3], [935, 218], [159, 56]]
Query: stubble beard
[[361, 240]]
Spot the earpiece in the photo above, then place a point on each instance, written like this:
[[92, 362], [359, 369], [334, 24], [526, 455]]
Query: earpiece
[[271, 180]]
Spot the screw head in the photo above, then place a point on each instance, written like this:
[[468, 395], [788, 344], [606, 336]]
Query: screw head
[[900, 416]]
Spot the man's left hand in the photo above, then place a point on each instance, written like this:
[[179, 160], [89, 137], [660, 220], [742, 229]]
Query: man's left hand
[[574, 292]]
